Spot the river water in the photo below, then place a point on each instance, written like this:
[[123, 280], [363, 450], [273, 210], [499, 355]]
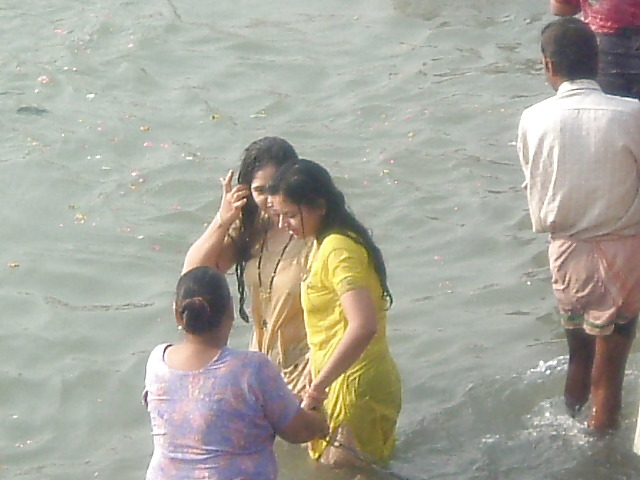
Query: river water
[[118, 118]]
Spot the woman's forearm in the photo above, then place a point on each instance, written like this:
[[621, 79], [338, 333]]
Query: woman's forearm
[[362, 326], [213, 248], [350, 348]]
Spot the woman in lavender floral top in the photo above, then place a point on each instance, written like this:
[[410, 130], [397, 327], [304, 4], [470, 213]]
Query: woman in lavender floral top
[[215, 411]]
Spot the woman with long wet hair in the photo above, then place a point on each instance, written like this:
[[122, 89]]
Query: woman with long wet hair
[[269, 262], [345, 297]]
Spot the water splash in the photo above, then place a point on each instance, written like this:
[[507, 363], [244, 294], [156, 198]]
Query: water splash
[[551, 366]]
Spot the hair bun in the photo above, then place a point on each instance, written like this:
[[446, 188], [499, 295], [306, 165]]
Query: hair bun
[[202, 299], [196, 314]]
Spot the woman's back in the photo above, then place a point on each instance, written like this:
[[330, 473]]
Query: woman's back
[[219, 421]]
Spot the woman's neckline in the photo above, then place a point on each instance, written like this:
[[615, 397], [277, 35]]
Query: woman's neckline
[[213, 360]]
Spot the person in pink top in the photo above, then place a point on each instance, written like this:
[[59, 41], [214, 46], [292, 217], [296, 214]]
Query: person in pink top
[[617, 26], [215, 411]]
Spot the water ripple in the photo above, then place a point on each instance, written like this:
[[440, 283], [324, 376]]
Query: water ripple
[[96, 307]]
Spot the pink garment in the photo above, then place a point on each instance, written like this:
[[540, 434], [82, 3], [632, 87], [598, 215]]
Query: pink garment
[[597, 281], [607, 16]]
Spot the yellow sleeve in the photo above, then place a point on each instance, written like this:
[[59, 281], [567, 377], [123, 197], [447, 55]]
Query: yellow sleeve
[[346, 262]]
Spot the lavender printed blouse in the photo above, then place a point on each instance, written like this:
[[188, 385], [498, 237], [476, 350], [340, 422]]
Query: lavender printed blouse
[[218, 422]]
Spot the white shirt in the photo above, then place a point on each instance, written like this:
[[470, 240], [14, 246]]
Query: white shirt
[[580, 152]]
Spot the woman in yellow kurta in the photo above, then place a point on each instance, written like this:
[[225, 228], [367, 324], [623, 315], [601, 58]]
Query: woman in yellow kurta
[[345, 297], [269, 262]]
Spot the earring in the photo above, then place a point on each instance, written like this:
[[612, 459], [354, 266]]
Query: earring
[[180, 327]]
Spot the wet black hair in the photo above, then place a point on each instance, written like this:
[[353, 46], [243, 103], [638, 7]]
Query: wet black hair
[[202, 299], [259, 154], [307, 183], [572, 47]]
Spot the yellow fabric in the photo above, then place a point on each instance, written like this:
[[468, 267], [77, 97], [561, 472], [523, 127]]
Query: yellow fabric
[[367, 397], [279, 330]]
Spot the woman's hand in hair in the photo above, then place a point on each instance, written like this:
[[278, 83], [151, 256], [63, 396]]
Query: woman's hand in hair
[[233, 199], [214, 248]]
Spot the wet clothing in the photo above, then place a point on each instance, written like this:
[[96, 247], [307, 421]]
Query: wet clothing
[[367, 397], [217, 422], [273, 277], [596, 282]]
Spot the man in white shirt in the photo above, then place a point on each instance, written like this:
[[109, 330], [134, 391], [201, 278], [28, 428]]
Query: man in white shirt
[[580, 152]]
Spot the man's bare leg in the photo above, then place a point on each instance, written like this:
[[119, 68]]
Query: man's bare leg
[[612, 352], [582, 348]]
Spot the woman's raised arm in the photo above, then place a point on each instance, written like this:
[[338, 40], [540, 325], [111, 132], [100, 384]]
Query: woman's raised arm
[[215, 248]]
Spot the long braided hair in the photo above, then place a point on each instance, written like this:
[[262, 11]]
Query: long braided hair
[[253, 226], [307, 183]]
